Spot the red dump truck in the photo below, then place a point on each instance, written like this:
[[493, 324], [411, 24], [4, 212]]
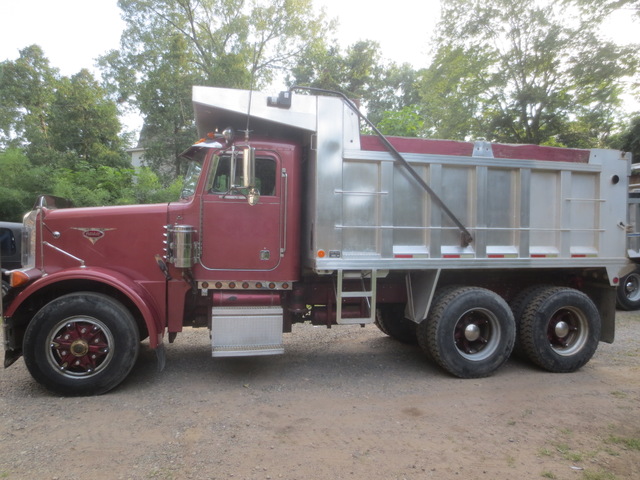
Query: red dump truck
[[290, 214]]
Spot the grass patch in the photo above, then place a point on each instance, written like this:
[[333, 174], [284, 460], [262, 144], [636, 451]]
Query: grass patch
[[161, 473], [548, 475], [599, 475], [569, 454], [619, 394], [544, 452], [629, 443]]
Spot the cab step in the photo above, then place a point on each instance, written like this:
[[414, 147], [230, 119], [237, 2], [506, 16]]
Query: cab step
[[246, 331]]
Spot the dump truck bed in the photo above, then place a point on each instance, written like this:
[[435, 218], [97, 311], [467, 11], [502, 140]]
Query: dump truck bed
[[525, 206]]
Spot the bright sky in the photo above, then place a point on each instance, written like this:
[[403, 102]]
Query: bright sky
[[73, 33]]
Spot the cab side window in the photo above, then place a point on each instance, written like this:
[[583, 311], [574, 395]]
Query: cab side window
[[265, 176]]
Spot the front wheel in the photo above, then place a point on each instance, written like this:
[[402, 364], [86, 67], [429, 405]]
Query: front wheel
[[81, 344], [469, 331], [560, 329]]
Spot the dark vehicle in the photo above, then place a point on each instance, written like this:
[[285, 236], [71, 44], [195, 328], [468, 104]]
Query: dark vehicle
[[629, 291], [10, 254]]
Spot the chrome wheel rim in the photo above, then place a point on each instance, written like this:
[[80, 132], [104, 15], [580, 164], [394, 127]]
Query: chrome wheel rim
[[567, 331], [79, 347], [477, 334]]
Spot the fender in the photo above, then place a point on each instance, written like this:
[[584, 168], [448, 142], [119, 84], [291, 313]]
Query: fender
[[137, 293]]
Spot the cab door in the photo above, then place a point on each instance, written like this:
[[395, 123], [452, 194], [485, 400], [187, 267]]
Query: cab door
[[237, 236]]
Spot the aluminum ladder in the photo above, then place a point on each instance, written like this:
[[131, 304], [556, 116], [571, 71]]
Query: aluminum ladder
[[369, 296]]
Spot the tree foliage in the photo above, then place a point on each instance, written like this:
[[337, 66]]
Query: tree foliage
[[61, 135], [85, 184], [57, 120], [90, 186], [170, 45], [629, 139], [83, 122], [20, 182], [27, 88], [360, 73], [523, 72], [165, 97], [598, 9]]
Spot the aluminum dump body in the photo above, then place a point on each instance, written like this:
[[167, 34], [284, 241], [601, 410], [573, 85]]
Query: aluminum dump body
[[534, 207], [525, 206]]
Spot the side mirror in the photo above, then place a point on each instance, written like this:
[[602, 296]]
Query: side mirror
[[243, 175], [249, 167], [249, 175]]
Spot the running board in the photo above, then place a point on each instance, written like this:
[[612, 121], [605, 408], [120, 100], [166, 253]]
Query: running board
[[369, 296], [246, 331]]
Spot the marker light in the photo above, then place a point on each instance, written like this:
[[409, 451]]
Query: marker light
[[18, 278]]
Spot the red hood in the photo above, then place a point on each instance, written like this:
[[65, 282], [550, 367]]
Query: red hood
[[124, 238]]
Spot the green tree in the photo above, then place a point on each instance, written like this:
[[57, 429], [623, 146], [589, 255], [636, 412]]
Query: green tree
[[629, 139], [404, 123], [170, 45], [20, 183], [57, 120], [360, 73], [61, 136], [90, 185], [233, 43], [528, 73], [147, 188], [27, 87], [600, 8], [450, 92], [165, 98], [83, 124], [394, 90]]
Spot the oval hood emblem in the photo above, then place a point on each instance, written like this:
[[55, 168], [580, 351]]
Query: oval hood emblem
[[93, 234]]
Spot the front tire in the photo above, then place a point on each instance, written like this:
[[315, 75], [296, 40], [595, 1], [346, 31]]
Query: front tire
[[81, 344], [469, 331], [560, 329]]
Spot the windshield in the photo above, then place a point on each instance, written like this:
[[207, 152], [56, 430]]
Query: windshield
[[194, 168]]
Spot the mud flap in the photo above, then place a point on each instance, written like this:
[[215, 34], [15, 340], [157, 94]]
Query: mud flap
[[161, 357]]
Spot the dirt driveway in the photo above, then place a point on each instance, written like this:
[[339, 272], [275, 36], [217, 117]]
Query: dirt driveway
[[345, 403]]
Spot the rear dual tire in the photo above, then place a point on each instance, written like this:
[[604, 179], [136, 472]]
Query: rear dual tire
[[559, 329], [391, 321], [469, 331]]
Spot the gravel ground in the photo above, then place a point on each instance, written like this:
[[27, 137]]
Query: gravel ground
[[341, 403]]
